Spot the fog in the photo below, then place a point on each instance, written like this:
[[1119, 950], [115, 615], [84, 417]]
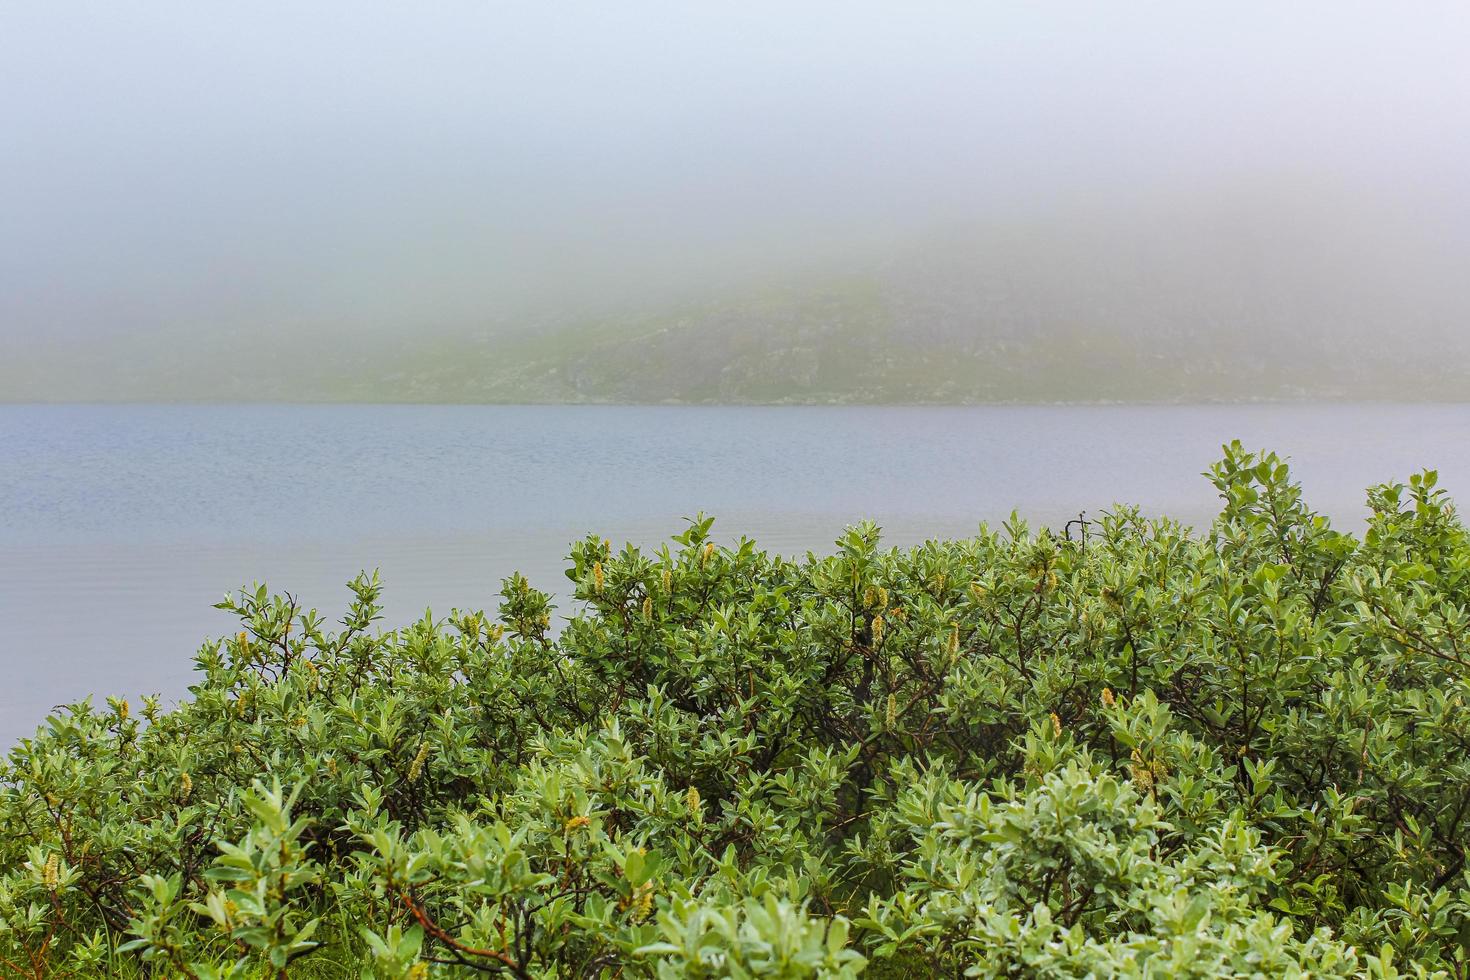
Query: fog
[[178, 171]]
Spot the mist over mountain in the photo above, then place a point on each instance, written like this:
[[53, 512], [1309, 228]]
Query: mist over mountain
[[836, 203], [1278, 291]]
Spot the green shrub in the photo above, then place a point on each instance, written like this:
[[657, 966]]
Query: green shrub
[[1129, 750]]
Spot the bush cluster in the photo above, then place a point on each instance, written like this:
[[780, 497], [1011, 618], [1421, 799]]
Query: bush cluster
[[1130, 749]]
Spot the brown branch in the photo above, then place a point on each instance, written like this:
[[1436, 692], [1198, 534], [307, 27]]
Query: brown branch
[[433, 929]]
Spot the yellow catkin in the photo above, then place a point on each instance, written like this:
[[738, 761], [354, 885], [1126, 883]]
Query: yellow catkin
[[1142, 772], [953, 646], [877, 630], [1056, 724], [186, 786], [576, 823], [940, 581], [890, 716], [668, 580], [648, 607], [495, 633], [51, 873], [978, 591], [122, 710], [692, 804], [1107, 697], [416, 767], [704, 555], [597, 577], [419, 971], [642, 902]]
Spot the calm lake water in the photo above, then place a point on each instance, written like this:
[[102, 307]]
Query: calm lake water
[[120, 526]]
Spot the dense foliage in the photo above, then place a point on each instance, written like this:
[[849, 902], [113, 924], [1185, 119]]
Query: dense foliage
[[1127, 749]]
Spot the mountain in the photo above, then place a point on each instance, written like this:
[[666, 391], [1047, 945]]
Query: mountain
[[1181, 304]]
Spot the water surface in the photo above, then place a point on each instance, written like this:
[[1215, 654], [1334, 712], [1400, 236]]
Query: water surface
[[121, 525]]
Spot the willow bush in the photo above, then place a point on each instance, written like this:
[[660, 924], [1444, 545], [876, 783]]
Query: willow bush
[[1129, 750]]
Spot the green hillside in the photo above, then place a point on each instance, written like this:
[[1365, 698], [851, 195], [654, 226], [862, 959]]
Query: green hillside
[[1120, 306]]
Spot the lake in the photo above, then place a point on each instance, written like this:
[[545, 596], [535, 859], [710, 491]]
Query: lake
[[120, 526]]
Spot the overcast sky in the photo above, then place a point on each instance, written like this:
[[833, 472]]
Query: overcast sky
[[389, 166]]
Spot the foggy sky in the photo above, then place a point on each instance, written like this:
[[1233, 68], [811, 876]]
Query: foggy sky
[[392, 167]]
